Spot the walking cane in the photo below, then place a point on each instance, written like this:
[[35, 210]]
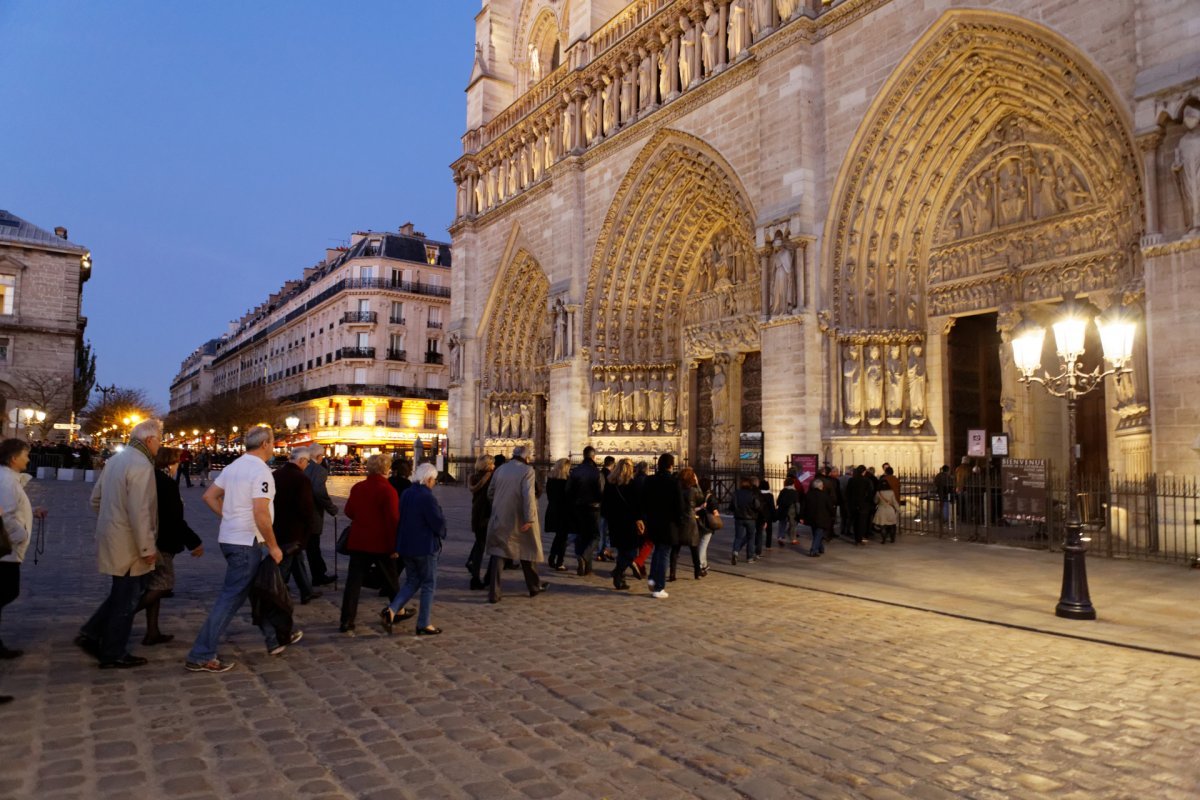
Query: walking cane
[[335, 554]]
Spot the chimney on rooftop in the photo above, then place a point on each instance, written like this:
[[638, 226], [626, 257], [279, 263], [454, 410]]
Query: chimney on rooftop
[[407, 229], [60, 232]]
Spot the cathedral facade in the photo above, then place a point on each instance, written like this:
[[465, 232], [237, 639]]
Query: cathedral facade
[[751, 228]]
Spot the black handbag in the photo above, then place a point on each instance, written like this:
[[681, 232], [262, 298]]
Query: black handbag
[[343, 540]]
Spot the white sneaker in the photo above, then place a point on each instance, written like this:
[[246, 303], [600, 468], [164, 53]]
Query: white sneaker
[[278, 649], [661, 594]]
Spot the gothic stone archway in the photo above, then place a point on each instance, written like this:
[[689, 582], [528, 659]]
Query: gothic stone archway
[[993, 172], [674, 279], [516, 334]]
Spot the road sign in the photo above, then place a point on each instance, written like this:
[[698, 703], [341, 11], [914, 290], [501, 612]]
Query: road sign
[[66, 426]]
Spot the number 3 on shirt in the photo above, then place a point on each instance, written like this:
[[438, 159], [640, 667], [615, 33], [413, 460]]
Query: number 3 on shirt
[[264, 489]]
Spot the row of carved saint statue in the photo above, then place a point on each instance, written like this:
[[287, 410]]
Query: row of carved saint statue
[[634, 398], [883, 382]]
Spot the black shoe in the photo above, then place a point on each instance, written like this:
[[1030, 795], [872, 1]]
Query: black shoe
[[387, 618], [813, 555], [477, 584], [621, 585], [324, 580], [306, 600], [541, 587], [671, 577], [733, 559], [127, 662], [430, 631], [7, 653], [89, 646], [346, 628], [5, 699]]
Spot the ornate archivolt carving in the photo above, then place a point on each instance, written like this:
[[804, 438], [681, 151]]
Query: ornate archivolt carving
[[517, 337], [995, 147]]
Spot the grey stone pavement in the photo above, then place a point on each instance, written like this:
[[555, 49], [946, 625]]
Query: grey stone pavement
[[924, 670]]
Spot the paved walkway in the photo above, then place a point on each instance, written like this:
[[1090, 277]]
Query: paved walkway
[[772, 680]]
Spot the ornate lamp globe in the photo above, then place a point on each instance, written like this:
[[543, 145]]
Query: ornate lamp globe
[[1117, 329], [1027, 342], [1070, 329]]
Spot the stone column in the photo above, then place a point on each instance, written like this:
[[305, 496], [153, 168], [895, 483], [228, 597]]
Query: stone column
[[1149, 143], [790, 413], [673, 66], [577, 140], [722, 57]]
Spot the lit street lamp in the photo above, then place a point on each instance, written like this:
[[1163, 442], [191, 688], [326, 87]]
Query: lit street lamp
[[292, 423], [1070, 330]]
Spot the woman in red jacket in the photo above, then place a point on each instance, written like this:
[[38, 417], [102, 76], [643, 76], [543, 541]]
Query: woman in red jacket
[[374, 508]]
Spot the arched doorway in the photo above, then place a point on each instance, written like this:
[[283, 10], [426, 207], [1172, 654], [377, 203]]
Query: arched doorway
[[674, 293], [992, 175], [516, 335]]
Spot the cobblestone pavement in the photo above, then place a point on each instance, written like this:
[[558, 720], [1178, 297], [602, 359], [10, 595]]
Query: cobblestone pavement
[[732, 688]]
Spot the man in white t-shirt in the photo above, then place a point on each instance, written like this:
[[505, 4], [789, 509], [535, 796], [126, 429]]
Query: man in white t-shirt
[[242, 497]]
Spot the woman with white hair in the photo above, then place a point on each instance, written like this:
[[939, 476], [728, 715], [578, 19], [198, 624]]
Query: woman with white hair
[[419, 540], [374, 509]]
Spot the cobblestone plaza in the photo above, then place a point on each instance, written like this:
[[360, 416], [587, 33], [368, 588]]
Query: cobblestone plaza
[[747, 684]]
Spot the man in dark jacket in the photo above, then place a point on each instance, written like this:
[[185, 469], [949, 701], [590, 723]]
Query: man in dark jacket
[[294, 515], [820, 512], [746, 507], [585, 490], [662, 510], [860, 500], [322, 505]]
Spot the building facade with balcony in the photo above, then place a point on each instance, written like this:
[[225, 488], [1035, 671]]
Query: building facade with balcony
[[353, 348], [693, 226], [41, 326]]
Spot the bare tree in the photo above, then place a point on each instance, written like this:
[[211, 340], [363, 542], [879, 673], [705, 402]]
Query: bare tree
[[115, 407], [47, 392]]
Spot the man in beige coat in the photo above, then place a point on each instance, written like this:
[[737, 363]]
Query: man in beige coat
[[126, 500], [513, 529]]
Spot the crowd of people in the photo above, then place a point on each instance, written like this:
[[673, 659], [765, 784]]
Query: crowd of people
[[271, 523]]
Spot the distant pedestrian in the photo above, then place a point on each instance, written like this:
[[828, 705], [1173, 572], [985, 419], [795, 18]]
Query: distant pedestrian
[[558, 512], [622, 510], [374, 511], [185, 467], [585, 489], [766, 516], [788, 510], [481, 511], [943, 484], [295, 511], [322, 505], [514, 530], [19, 515], [174, 535], [662, 509], [860, 500], [604, 550], [401, 475], [419, 538], [689, 528], [887, 512], [242, 497], [746, 509], [820, 512], [126, 500]]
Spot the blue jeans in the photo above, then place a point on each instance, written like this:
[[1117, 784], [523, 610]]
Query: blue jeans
[[743, 536], [420, 572], [295, 565], [112, 622], [787, 530], [818, 538], [241, 564], [658, 566], [705, 538]]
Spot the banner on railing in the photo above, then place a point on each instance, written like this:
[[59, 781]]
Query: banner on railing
[[1025, 489]]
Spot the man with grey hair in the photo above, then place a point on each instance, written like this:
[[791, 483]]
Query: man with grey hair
[[514, 531], [241, 496], [293, 521], [126, 500], [322, 504]]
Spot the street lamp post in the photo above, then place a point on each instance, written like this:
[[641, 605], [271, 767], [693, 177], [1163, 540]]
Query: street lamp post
[[1070, 330]]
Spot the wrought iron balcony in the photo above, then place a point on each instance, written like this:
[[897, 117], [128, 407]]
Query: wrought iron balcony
[[356, 352], [434, 324], [397, 355], [396, 320], [433, 358], [359, 316]]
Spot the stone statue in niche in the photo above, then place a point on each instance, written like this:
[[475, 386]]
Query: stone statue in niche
[[526, 419], [783, 278], [612, 415], [739, 29], [640, 409], [609, 97], [786, 8], [599, 400], [654, 402], [455, 344], [566, 130], [627, 92], [894, 369], [645, 88], [1186, 167], [669, 405], [1126, 388], [708, 37], [591, 116], [720, 267], [1045, 196], [664, 69], [720, 395], [852, 384], [916, 386], [535, 65], [873, 384], [558, 318], [1010, 184], [762, 20], [729, 256], [493, 418], [687, 52], [514, 410], [628, 396], [505, 419]]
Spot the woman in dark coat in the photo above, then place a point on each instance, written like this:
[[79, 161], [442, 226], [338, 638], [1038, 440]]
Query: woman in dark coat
[[419, 538], [788, 509], [174, 535], [662, 507], [623, 514], [374, 508], [746, 509], [689, 530], [481, 511], [558, 512], [766, 515], [820, 511]]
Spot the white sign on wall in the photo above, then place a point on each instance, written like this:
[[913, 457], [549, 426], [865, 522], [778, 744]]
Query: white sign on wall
[[977, 443]]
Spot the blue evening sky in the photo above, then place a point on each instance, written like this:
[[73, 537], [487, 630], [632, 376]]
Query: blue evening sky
[[207, 152]]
